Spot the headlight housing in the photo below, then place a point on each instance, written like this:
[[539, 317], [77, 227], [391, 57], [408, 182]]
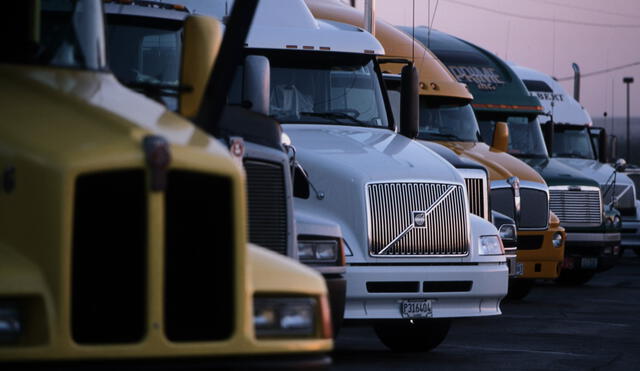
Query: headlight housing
[[490, 245], [10, 323], [617, 221], [277, 317], [319, 251], [508, 232], [557, 239]]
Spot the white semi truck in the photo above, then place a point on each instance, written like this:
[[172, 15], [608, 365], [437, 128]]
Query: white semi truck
[[416, 257], [571, 144]]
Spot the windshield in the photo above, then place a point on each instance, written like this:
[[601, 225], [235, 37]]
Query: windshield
[[572, 142], [66, 33], [146, 51], [447, 122], [327, 88], [525, 135]]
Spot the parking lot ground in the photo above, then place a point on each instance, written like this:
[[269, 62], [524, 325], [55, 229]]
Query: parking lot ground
[[590, 327]]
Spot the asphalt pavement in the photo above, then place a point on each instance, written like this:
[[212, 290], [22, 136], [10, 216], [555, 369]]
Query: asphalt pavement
[[591, 327]]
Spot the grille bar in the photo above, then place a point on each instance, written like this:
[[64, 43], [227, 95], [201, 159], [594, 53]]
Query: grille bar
[[577, 207], [476, 196], [267, 205], [435, 224]]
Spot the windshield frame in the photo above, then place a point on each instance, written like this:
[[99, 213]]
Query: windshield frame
[[532, 120], [561, 128], [277, 55]]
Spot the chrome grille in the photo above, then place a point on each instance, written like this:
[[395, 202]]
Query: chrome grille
[[577, 207], [267, 205], [392, 219], [476, 196]]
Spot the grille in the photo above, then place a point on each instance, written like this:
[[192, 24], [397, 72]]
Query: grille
[[534, 206], [534, 209], [577, 207], [530, 242], [417, 219], [198, 300], [636, 181], [108, 295], [476, 196], [267, 205], [625, 196]]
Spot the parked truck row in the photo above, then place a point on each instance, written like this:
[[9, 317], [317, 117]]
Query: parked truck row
[[229, 183]]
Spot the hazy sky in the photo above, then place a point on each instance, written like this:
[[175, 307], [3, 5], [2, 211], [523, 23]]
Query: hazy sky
[[547, 46]]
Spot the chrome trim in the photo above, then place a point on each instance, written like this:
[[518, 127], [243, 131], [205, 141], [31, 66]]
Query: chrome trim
[[482, 175], [593, 237], [462, 217], [575, 217]]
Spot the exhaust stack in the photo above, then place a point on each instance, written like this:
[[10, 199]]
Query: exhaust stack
[[370, 16], [576, 81]]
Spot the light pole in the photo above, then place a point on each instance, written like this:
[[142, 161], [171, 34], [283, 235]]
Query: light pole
[[628, 81]]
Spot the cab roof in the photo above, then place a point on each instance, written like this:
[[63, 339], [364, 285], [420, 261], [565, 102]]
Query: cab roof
[[494, 85], [556, 102], [289, 24]]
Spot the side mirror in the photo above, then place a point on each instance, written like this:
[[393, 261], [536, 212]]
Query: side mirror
[[256, 84], [409, 102], [501, 137], [200, 45], [620, 165]]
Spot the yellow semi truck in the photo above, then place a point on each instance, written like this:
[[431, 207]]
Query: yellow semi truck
[[514, 186], [123, 225]]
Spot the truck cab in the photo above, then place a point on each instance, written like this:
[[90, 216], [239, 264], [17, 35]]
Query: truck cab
[[416, 257], [141, 253], [571, 143], [145, 37], [507, 118]]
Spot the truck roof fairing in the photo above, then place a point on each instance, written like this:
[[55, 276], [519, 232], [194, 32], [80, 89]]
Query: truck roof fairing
[[494, 85], [556, 102], [288, 24]]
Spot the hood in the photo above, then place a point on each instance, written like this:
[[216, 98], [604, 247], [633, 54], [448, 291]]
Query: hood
[[556, 173], [500, 165], [595, 169], [455, 160], [85, 118], [370, 154]]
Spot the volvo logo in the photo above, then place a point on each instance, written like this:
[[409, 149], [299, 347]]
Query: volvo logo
[[419, 219]]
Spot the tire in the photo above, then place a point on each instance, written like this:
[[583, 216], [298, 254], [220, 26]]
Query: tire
[[519, 288], [420, 336], [575, 277]]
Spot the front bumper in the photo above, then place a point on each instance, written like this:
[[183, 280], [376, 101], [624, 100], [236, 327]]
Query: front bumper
[[488, 285], [537, 254], [592, 251], [337, 287], [630, 233]]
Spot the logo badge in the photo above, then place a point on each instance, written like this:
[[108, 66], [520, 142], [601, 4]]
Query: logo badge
[[419, 219]]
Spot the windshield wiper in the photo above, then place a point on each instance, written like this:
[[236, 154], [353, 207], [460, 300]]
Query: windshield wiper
[[158, 89], [334, 116], [452, 137]]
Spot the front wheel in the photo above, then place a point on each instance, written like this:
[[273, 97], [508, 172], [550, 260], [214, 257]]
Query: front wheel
[[575, 277], [519, 288], [420, 335]]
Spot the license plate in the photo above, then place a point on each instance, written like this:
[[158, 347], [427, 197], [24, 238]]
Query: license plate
[[416, 308], [519, 269], [589, 263]]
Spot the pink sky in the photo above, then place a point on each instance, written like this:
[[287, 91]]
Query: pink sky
[[545, 46]]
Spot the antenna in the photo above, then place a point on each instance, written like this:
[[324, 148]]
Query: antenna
[[430, 20], [413, 33]]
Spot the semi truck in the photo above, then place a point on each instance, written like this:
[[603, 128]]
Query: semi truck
[[416, 257], [145, 37], [508, 119], [124, 226], [570, 129]]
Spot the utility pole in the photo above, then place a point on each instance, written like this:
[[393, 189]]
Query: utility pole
[[628, 81]]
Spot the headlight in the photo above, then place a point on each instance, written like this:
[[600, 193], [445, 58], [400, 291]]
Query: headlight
[[284, 316], [490, 245], [318, 251], [608, 222], [557, 239], [508, 232], [617, 221], [10, 324]]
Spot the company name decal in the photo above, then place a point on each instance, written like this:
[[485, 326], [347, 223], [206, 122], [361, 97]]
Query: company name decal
[[484, 78], [549, 96]]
